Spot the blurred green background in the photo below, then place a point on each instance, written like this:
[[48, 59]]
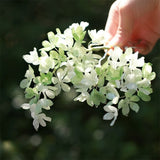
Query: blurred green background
[[77, 131]]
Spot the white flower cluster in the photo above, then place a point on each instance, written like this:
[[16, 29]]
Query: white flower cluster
[[118, 83]]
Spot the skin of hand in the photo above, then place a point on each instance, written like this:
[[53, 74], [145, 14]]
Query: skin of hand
[[134, 23]]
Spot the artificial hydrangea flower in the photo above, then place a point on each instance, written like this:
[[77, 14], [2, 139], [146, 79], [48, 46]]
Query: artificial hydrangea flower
[[117, 79]]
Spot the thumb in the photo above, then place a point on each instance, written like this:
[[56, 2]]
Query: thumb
[[124, 29]]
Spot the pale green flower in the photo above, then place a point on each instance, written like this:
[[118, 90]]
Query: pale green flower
[[29, 77], [60, 81]]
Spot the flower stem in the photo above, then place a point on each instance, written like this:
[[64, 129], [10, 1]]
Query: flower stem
[[96, 48]]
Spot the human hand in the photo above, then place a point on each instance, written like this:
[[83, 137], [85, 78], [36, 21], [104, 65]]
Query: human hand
[[134, 23]]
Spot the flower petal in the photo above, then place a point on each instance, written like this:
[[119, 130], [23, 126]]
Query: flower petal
[[108, 116]]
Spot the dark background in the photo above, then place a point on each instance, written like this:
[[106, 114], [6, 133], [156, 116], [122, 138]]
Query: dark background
[[77, 131]]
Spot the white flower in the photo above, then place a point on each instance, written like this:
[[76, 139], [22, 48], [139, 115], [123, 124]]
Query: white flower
[[135, 62], [116, 53], [112, 93], [90, 79], [97, 37], [131, 81], [82, 24], [116, 57], [40, 119], [45, 103], [132, 78], [32, 58], [112, 113], [68, 33], [83, 96], [69, 64], [30, 73], [46, 63]]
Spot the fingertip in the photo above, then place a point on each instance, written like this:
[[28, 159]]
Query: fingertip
[[141, 46], [142, 50]]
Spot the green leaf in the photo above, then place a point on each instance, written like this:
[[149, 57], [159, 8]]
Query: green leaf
[[78, 34], [105, 65], [100, 81], [98, 70], [114, 74], [38, 108], [134, 106], [29, 93], [147, 71], [97, 97], [62, 56], [134, 98], [47, 46], [103, 90], [33, 100], [54, 54], [78, 77], [75, 36], [125, 110], [125, 106], [90, 102], [146, 91], [129, 93], [46, 78], [144, 97], [37, 80], [45, 103], [101, 76], [151, 76], [121, 104]]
